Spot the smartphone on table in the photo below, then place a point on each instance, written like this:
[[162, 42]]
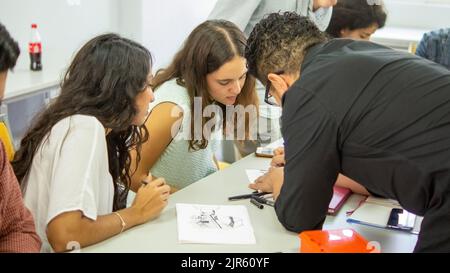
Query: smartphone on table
[[401, 219], [264, 152]]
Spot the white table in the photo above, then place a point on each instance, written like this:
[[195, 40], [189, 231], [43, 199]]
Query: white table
[[22, 83], [160, 235]]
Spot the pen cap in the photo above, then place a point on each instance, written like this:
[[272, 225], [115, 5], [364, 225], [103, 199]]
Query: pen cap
[[334, 241]]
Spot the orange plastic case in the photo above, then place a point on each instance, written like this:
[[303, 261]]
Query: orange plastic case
[[334, 241]]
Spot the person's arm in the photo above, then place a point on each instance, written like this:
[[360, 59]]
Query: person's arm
[[236, 11], [317, 4], [80, 192], [163, 123], [312, 164], [270, 182], [355, 187], [342, 180], [319, 11], [17, 230], [73, 226]]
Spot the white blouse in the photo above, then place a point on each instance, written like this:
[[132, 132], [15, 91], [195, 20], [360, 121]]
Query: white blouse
[[70, 173]]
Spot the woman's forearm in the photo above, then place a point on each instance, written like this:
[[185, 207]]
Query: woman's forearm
[[72, 228]]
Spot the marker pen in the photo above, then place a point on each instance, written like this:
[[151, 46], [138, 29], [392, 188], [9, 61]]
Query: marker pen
[[256, 203]]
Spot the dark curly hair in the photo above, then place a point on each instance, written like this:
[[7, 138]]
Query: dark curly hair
[[9, 50], [279, 43], [102, 81], [355, 14]]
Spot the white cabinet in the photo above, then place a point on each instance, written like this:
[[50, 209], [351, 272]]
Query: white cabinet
[[27, 93], [21, 112]]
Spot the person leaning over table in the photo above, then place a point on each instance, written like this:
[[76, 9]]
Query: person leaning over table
[[208, 72], [374, 114], [246, 14]]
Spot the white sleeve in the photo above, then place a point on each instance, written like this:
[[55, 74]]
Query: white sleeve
[[78, 173]]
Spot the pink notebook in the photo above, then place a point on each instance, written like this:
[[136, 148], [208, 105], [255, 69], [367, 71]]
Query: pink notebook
[[340, 194]]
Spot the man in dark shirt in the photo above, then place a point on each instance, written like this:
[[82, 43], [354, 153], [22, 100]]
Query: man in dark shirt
[[379, 116]]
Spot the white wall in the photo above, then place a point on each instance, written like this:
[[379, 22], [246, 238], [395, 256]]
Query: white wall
[[161, 25], [422, 14], [130, 19], [64, 25], [167, 23]]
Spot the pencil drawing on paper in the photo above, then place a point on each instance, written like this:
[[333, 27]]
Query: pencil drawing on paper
[[214, 224], [213, 218]]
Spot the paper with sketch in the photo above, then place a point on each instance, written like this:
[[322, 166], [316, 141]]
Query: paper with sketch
[[254, 174], [214, 224]]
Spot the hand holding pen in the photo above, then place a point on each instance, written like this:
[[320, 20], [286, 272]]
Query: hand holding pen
[[151, 198]]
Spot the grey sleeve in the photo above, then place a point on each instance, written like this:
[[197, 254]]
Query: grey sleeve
[[236, 11], [312, 164], [320, 17]]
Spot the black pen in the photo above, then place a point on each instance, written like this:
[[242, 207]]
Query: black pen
[[246, 196], [256, 203], [264, 201]]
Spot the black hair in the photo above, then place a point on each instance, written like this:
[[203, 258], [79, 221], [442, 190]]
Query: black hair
[[9, 50], [102, 81], [355, 14], [279, 42]]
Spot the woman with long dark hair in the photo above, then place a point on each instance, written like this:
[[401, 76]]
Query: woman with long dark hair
[[209, 71], [74, 162]]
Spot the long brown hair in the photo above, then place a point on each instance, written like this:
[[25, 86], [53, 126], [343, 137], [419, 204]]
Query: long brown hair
[[102, 81], [209, 46]]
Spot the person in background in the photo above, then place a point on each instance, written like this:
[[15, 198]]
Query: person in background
[[17, 230], [246, 14], [388, 128], [435, 46], [74, 162], [356, 19], [211, 69]]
